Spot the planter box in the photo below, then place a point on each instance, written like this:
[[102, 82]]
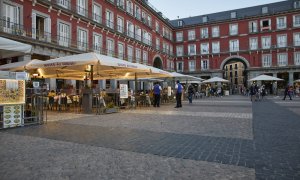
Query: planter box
[[111, 110]]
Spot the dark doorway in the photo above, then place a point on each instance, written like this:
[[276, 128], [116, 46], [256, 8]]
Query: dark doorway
[[158, 63]]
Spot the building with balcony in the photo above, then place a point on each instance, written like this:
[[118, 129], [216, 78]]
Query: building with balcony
[[265, 38], [130, 30]]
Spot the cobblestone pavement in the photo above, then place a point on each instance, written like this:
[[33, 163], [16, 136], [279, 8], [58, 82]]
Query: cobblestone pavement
[[214, 138]]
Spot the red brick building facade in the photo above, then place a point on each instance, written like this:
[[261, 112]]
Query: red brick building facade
[[266, 38]]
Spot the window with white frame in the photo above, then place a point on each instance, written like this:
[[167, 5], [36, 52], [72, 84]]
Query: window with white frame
[[204, 64], [266, 42], [179, 50], [204, 48], [137, 55], [215, 31], [171, 50], [297, 58], [192, 49], [109, 19], [120, 23], [180, 23], [192, 65], [179, 66], [81, 7], [157, 43], [145, 57], [82, 39], [296, 39], [191, 35], [266, 60], [110, 47], [297, 4], [130, 53], [137, 12], [64, 37], [296, 20], [97, 43], [233, 15], [233, 29], [147, 38], [253, 43], [157, 26], [252, 26], [97, 13], [130, 29], [204, 19], [281, 22], [215, 47], [204, 33], [11, 18], [264, 10], [120, 50], [138, 33], [281, 40], [129, 7], [265, 24], [149, 20], [121, 4], [179, 36], [64, 3], [282, 59], [164, 47], [234, 45]]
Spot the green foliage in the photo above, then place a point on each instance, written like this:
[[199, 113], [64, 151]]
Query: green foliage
[[111, 105]]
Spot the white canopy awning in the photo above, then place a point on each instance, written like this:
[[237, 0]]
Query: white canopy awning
[[184, 77], [215, 79], [265, 78], [298, 80], [19, 66], [10, 48], [104, 67]]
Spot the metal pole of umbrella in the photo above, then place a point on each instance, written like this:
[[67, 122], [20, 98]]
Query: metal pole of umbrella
[[135, 90]]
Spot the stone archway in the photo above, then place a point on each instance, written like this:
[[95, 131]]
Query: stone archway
[[235, 70], [157, 62]]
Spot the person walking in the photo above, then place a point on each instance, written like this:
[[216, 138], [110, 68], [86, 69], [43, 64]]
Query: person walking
[[191, 92], [178, 88], [156, 91], [287, 91]]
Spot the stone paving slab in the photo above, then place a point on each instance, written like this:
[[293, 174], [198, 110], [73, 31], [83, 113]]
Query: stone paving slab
[[185, 124], [39, 158]]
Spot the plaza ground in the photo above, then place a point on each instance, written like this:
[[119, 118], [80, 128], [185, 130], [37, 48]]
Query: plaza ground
[[213, 138]]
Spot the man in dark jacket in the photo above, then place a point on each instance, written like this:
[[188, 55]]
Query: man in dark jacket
[[287, 92], [156, 92], [178, 89], [191, 92]]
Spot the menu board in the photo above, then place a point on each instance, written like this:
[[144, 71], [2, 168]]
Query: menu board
[[12, 91], [12, 116], [123, 91]]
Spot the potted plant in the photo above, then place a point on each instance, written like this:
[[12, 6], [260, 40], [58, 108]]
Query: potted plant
[[110, 108]]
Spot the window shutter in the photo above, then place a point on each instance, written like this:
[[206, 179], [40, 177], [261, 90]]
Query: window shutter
[[33, 33], [48, 29]]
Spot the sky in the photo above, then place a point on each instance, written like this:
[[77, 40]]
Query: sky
[[186, 8]]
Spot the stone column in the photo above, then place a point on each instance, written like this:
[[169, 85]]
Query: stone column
[[113, 84], [52, 84], [291, 78], [102, 84], [274, 86], [24, 58]]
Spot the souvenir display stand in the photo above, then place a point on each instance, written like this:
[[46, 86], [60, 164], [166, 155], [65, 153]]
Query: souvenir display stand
[[12, 99]]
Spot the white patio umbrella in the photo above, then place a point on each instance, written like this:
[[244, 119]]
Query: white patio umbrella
[[215, 79], [10, 48], [20, 66], [298, 80], [265, 78], [77, 66], [184, 77]]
